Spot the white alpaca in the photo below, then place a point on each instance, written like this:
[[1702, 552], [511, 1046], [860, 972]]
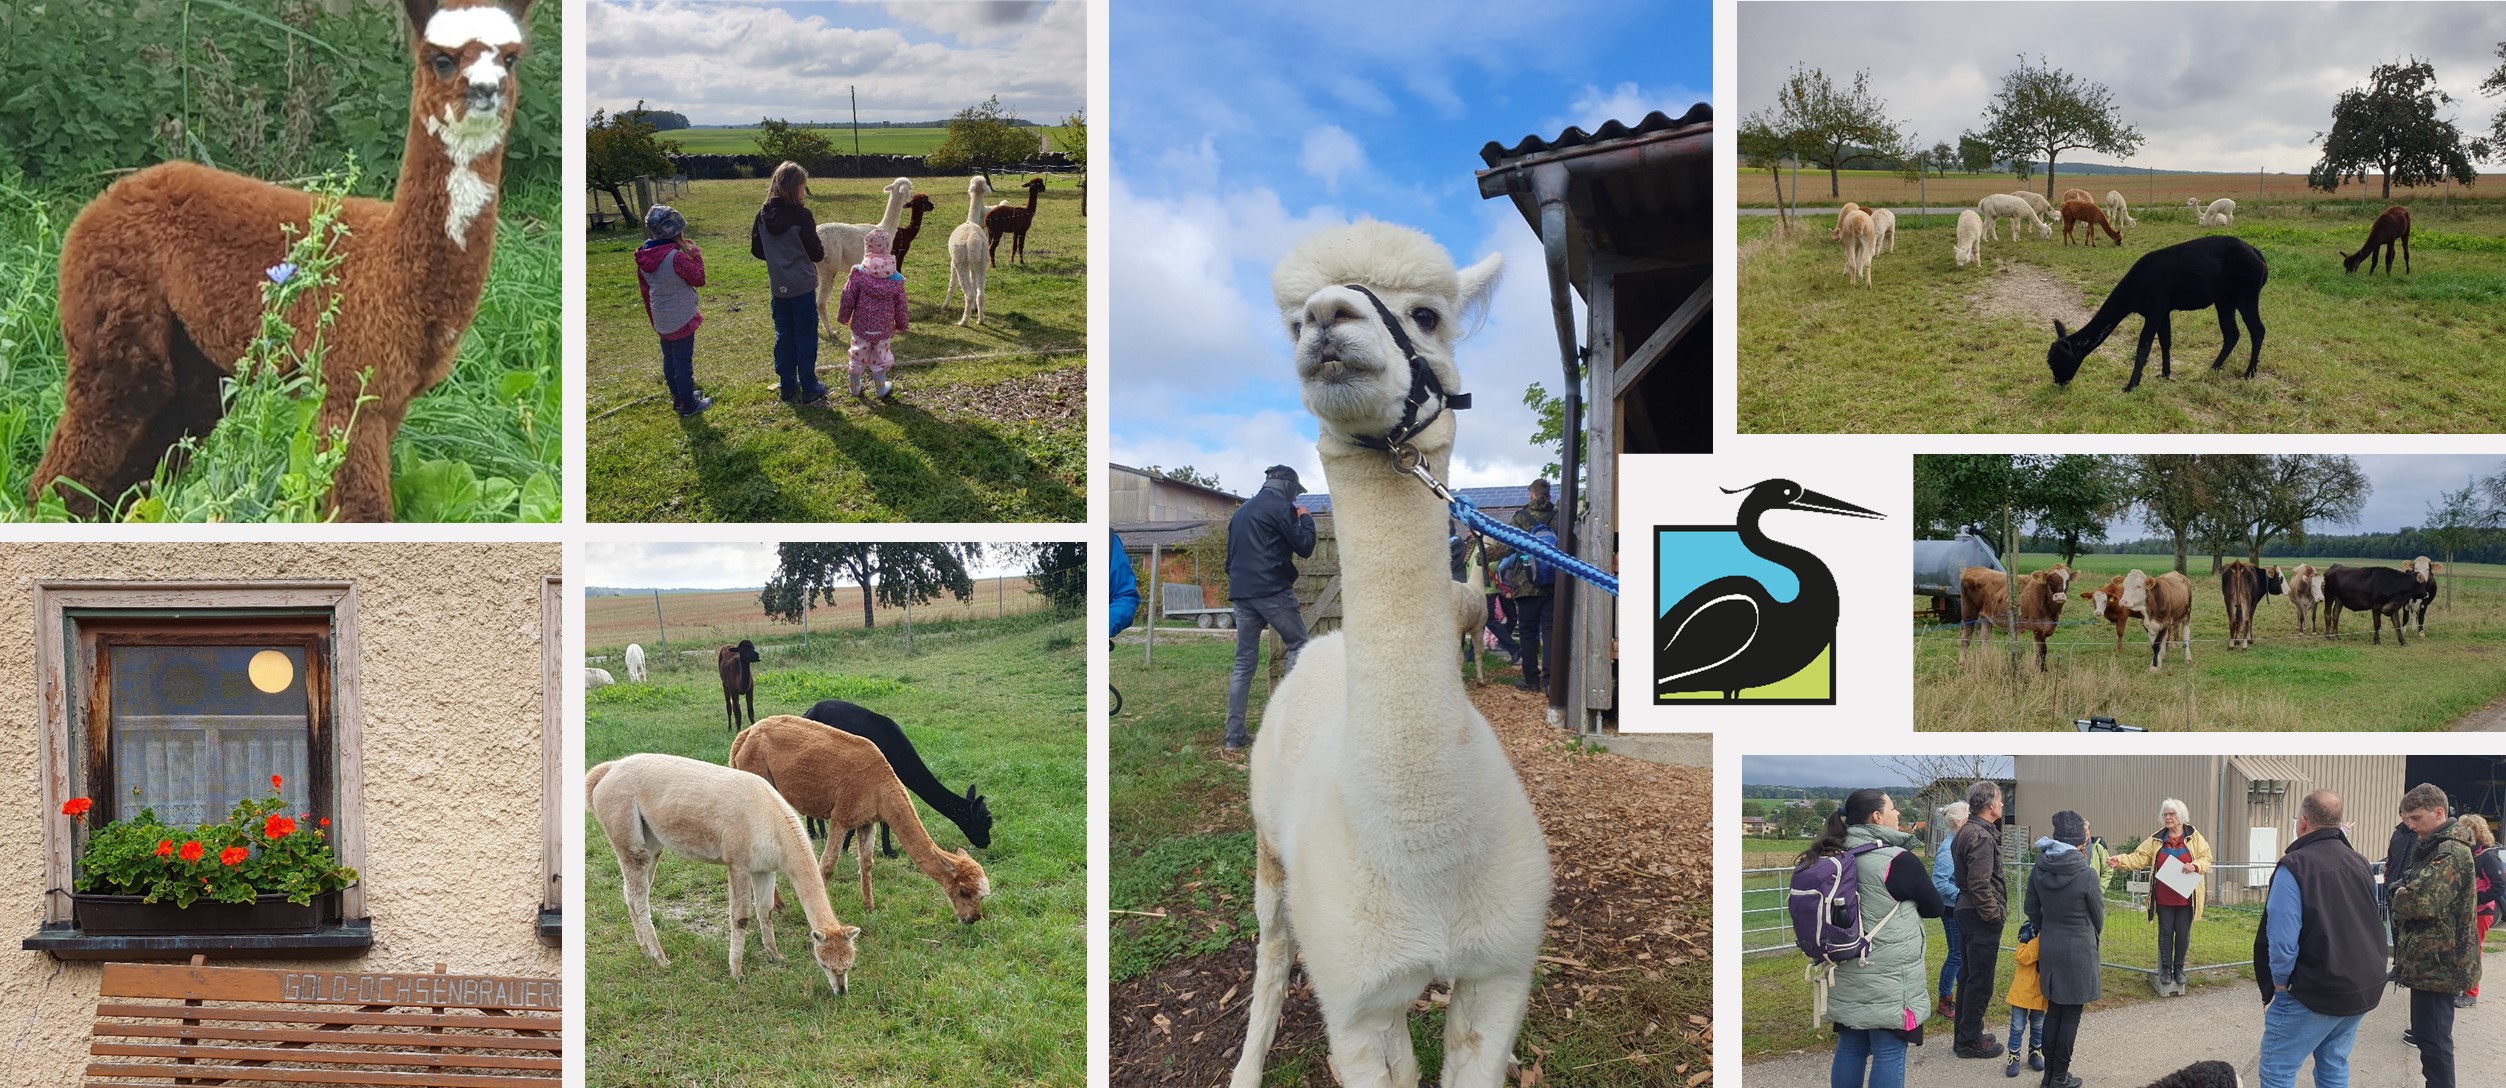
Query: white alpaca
[[1394, 845], [2035, 203], [597, 678], [2118, 212], [1838, 231], [1884, 230], [635, 662], [2000, 206], [845, 244], [709, 812], [1969, 248], [969, 253], [2220, 213], [1861, 244]]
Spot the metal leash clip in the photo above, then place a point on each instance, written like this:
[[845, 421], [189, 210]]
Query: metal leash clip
[[1407, 458]]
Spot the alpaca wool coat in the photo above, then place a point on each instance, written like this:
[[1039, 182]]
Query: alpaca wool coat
[[1889, 990], [2146, 857], [2069, 909]]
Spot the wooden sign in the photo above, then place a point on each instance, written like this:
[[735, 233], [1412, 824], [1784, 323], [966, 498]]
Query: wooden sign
[[414, 988]]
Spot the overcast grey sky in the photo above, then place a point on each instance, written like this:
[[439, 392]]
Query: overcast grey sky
[[2403, 485], [702, 566], [1855, 771], [2213, 86]]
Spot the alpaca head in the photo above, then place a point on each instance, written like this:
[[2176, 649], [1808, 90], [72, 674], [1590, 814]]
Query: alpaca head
[[898, 189], [748, 651], [967, 886], [977, 187], [1033, 185], [978, 822], [2064, 357], [1355, 374], [834, 950], [920, 204], [466, 53]]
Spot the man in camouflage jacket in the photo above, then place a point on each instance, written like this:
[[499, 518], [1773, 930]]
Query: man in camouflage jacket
[[2436, 951]]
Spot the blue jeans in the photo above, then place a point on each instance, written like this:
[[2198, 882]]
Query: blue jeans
[[2029, 1023], [1252, 614], [678, 371], [2290, 1032], [1884, 1051], [796, 347], [1949, 965]]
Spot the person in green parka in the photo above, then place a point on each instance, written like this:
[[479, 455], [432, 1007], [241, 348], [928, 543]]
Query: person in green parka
[[1878, 1004], [2436, 940]]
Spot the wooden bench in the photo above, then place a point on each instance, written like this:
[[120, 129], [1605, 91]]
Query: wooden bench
[[160, 1024]]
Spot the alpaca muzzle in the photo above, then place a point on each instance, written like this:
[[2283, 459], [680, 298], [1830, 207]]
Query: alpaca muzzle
[[484, 99]]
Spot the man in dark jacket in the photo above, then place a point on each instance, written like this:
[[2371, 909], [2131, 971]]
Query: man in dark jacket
[[1262, 582], [2436, 943], [1528, 601], [2318, 957], [1983, 909]]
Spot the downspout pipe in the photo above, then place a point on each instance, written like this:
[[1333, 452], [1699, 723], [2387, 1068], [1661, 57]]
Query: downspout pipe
[[1548, 186]]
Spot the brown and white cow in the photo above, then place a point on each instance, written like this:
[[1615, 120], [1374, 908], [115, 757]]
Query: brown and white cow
[[1984, 598], [2106, 603], [2166, 607]]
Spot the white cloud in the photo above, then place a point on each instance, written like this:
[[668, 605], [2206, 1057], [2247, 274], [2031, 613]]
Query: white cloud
[[1330, 152], [976, 22], [1626, 102]]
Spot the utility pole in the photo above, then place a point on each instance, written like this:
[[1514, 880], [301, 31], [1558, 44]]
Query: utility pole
[[856, 100], [660, 628]]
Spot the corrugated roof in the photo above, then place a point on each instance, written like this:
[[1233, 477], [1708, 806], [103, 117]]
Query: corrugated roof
[[2268, 769], [1139, 535], [1494, 152], [1171, 481]]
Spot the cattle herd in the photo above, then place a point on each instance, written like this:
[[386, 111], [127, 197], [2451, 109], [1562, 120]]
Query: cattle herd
[[2164, 602]]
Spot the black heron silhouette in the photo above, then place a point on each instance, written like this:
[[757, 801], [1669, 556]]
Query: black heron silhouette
[[1730, 633]]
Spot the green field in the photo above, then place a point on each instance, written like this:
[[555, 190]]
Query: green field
[[1934, 348], [989, 423], [1002, 1001], [1885, 188], [874, 141], [2287, 681], [1613, 1004]]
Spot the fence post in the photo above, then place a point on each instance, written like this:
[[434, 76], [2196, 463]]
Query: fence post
[[661, 628]]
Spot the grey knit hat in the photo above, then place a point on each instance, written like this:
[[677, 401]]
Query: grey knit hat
[[2070, 827], [664, 221]]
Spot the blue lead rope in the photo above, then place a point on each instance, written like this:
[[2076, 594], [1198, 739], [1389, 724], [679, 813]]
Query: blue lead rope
[[1528, 544]]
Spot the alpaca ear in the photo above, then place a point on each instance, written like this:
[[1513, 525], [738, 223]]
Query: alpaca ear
[[419, 11], [852, 933], [2060, 333], [1478, 282], [520, 9]]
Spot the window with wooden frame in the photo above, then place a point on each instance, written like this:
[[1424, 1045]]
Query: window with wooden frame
[[185, 698]]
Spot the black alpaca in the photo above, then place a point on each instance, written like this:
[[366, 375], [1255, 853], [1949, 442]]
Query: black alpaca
[[737, 682], [2210, 1074], [971, 813], [2219, 270]]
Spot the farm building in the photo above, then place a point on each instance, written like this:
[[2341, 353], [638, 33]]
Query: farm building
[[2246, 806], [404, 692], [1135, 496]]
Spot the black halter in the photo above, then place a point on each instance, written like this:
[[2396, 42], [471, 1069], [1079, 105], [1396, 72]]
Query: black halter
[[1424, 387]]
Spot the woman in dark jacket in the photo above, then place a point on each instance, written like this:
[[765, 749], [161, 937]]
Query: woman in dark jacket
[[2067, 904]]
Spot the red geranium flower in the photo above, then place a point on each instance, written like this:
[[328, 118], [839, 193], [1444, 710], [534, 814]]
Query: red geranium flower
[[278, 827], [273, 783], [233, 856], [326, 821], [165, 847], [191, 850], [77, 806]]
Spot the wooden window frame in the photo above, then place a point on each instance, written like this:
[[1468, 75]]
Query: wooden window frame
[[58, 657], [552, 701]]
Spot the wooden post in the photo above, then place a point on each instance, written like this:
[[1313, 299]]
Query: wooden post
[[1148, 655], [909, 625], [659, 627]]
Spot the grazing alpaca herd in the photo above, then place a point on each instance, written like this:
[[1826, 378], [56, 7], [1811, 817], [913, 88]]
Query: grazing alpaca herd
[[973, 245], [2164, 602], [843, 764]]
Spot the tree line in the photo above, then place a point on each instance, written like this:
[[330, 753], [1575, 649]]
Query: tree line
[[900, 575], [2391, 126]]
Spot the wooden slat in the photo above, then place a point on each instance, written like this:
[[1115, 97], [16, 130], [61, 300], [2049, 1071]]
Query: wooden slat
[[182, 982], [307, 1055], [196, 1073], [317, 1035], [336, 1015]]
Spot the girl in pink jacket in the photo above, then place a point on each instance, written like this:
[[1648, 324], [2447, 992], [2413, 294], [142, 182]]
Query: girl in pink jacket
[[873, 307]]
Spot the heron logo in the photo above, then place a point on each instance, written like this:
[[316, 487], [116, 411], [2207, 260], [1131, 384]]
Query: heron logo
[[1740, 617]]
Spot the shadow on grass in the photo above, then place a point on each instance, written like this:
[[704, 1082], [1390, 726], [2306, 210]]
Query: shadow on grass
[[962, 450], [738, 486]]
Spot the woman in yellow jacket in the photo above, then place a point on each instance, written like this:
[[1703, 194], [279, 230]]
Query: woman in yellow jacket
[[2174, 913]]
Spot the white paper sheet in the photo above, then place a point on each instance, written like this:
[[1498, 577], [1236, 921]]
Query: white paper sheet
[[2174, 875]]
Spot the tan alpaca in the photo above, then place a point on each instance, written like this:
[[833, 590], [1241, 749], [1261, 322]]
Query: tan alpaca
[[843, 779], [732, 818]]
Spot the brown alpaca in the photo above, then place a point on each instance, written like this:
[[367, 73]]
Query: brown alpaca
[[835, 775], [737, 681], [1004, 219], [160, 279], [2077, 212], [904, 239]]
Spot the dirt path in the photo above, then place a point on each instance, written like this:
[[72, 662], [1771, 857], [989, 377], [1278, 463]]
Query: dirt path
[[2487, 719], [2024, 291]]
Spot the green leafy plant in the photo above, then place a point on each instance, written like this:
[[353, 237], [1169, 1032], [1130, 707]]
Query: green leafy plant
[[258, 850]]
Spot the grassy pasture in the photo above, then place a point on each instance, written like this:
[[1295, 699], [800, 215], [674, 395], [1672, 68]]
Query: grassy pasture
[[989, 422], [1002, 1001], [1934, 348], [713, 618], [2287, 681], [874, 141], [1883, 188]]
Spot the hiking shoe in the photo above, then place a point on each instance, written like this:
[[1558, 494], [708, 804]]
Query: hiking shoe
[[2409, 1040], [701, 403], [2013, 1070], [2035, 1059], [2068, 1081], [815, 398], [1945, 1008], [1989, 1048], [1238, 745]]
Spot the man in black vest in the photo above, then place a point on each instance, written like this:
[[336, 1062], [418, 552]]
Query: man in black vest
[[2319, 956], [1262, 582]]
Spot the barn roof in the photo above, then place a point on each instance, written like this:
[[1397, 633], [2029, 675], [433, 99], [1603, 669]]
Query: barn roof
[[1138, 536]]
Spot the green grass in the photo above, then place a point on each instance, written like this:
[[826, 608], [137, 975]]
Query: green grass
[[1002, 1001], [997, 431], [471, 447], [1937, 348], [1181, 857], [874, 141], [2286, 681]]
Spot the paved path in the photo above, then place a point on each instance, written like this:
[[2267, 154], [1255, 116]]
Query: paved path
[[2135, 1045]]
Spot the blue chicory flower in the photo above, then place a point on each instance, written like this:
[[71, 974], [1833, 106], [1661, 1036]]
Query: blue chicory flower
[[281, 272]]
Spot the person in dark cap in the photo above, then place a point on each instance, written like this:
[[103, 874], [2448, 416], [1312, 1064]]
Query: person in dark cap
[[1264, 539], [1525, 597], [2068, 907]]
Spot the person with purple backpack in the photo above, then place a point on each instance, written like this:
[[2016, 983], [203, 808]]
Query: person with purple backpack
[[1864, 923]]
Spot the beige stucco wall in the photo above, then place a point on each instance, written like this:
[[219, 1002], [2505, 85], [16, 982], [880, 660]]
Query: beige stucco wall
[[451, 687]]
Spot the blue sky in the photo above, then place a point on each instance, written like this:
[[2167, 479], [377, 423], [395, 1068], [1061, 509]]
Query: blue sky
[[724, 63], [1854, 771], [1236, 130], [675, 565]]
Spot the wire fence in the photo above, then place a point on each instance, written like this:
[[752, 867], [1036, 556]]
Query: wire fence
[[683, 630]]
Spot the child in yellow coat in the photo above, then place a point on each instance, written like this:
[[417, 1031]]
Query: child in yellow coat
[[2027, 1004]]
